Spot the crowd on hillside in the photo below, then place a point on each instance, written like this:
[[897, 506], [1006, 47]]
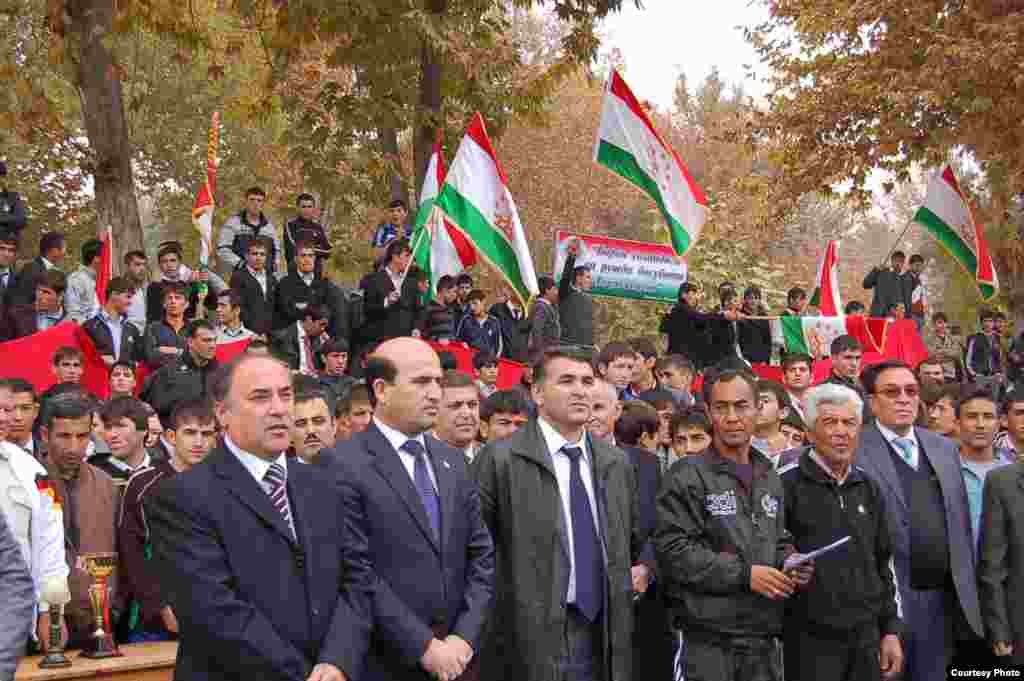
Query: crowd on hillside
[[339, 500]]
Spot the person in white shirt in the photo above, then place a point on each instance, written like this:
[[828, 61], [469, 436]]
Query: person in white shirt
[[229, 313], [80, 301]]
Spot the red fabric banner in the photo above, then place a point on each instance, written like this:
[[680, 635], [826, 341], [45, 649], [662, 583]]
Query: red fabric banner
[[509, 372]]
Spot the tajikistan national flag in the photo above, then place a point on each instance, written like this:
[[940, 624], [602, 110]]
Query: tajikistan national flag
[[826, 285], [814, 335], [437, 246], [476, 199], [628, 145]]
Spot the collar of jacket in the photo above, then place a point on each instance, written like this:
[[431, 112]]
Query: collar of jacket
[[242, 218], [810, 469], [761, 463], [187, 362], [528, 442]]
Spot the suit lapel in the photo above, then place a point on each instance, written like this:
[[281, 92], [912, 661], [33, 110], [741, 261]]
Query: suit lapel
[[880, 454], [302, 508], [389, 465], [250, 493], [602, 462], [535, 448], [446, 483]]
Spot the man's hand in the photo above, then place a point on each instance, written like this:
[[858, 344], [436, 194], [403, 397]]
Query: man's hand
[[890, 656], [441, 661], [731, 315], [770, 582], [43, 631], [462, 649], [392, 298], [169, 620], [1002, 648], [641, 575], [168, 350], [573, 248], [326, 672], [801, 574]]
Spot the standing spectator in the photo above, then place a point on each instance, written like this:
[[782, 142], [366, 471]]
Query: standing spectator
[[25, 409], [793, 427], [755, 335], [691, 432], [575, 304], [914, 291], [125, 426], [797, 374], [442, 315], [605, 409], [928, 515], [387, 292], [305, 228], [17, 595], [1001, 564], [122, 379], [313, 428], [353, 412], [675, 374], [846, 353], [796, 301], [615, 364], [229, 315], [463, 287], [977, 417], [88, 500], [187, 376], [12, 209], [688, 328], [8, 277], [193, 433], [565, 613], [334, 360], [298, 344], [772, 407], [644, 378], [80, 299], [722, 543], [163, 341], [478, 329], [173, 272], [982, 358], [257, 287], [458, 419], [1010, 444], [52, 250], [545, 326], [486, 367], [665, 405], [502, 414], [515, 328], [888, 285], [845, 624], [723, 333], [248, 223], [396, 227], [940, 406], [1014, 357], [114, 338], [136, 272], [940, 340], [45, 312], [434, 560]]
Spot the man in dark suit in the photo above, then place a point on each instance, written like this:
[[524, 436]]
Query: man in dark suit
[[299, 289], [52, 250], [298, 344], [926, 501], [110, 325], [45, 312], [387, 297], [515, 328], [257, 286], [254, 554], [8, 254], [565, 603], [888, 285], [416, 511], [1000, 578]]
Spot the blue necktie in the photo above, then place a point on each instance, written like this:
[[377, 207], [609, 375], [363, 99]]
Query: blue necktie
[[586, 546], [905, 445], [425, 487]]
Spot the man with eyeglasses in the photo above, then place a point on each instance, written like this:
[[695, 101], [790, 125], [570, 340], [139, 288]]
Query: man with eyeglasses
[[925, 498]]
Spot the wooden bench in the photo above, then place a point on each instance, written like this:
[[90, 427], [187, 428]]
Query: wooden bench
[[141, 662]]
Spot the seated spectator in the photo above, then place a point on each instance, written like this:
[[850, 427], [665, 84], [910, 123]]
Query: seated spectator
[[125, 426], [304, 227], [68, 368], [940, 405], [229, 317], [691, 432], [396, 227], [172, 271], [854, 307], [242, 227], [115, 339], [334, 360], [88, 501], [441, 316], [616, 363], [675, 374], [192, 432], [163, 342], [772, 408], [605, 409], [930, 370], [186, 377], [501, 414], [486, 366], [665, 404], [257, 287], [136, 271], [52, 249], [313, 427], [23, 416], [298, 344], [643, 378], [300, 289], [46, 312], [80, 301], [793, 427], [458, 419], [479, 329], [122, 379], [352, 412], [8, 277]]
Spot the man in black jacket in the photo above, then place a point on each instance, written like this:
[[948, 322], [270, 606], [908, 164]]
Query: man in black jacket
[[845, 624], [722, 544], [575, 304], [889, 285], [186, 377], [115, 339], [298, 344], [515, 327], [389, 296], [303, 228], [687, 328], [983, 356], [12, 208], [257, 286], [52, 250], [300, 289]]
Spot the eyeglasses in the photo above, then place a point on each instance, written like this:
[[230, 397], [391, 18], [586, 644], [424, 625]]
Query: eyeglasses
[[894, 392]]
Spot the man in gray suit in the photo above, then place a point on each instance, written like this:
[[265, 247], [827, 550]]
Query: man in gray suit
[[17, 593], [1002, 550], [933, 554]]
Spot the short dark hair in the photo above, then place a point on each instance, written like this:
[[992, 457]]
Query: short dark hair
[[196, 410], [1014, 394], [476, 294], [752, 292], [19, 386], [314, 311], [898, 254], [795, 293], [916, 258], [302, 243], [793, 420], [691, 417], [793, 358], [304, 196], [91, 250], [713, 378], [10, 237], [986, 313], [396, 247], [974, 392], [255, 191], [130, 255], [545, 284], [484, 359], [261, 241], [676, 360], [869, 377], [50, 241], [71, 405], [397, 203], [644, 346], [932, 393], [637, 419], [463, 278], [168, 248], [657, 398], [844, 343], [169, 287], [446, 282], [453, 378], [119, 285], [854, 307], [579, 271], [781, 394], [378, 368], [940, 316], [448, 360], [125, 408], [574, 354], [612, 351], [357, 393], [334, 346], [193, 327], [54, 280], [726, 296], [509, 401], [123, 364], [233, 295], [66, 352]]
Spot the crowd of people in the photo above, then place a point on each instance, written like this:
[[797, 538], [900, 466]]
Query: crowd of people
[[340, 501]]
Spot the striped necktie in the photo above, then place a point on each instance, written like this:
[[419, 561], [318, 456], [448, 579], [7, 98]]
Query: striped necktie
[[276, 483]]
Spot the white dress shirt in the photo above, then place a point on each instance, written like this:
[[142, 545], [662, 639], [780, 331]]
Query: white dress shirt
[[563, 472], [397, 439], [305, 361], [261, 279], [915, 451], [258, 467]]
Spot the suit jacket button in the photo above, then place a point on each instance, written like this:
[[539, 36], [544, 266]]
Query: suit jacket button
[[316, 612]]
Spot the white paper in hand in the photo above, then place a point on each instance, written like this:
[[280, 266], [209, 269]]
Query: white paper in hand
[[798, 559]]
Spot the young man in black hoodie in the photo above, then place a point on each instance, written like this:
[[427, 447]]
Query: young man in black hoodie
[[304, 227]]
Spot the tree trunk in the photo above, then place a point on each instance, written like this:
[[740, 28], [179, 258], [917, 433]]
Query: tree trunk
[[430, 100], [389, 145], [99, 88]]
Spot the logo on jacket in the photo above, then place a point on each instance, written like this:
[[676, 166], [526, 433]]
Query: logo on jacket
[[770, 505], [721, 504]]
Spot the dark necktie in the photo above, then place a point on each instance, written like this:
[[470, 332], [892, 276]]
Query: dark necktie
[[71, 508], [421, 478], [586, 546], [276, 481]]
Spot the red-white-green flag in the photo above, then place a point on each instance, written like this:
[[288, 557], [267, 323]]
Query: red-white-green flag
[[826, 285], [202, 210], [438, 248], [476, 199], [628, 145], [946, 213]]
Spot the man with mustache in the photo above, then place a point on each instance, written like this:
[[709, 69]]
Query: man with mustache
[[313, 428]]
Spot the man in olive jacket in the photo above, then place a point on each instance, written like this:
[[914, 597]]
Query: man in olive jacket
[[564, 596]]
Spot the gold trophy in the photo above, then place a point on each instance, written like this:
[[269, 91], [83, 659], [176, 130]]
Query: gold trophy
[[55, 592], [100, 567]]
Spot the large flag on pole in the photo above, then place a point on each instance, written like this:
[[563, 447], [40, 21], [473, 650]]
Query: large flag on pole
[[826, 292], [202, 211], [106, 269], [947, 215], [476, 199], [438, 247], [628, 145]]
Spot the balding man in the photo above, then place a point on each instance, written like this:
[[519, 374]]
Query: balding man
[[605, 409], [253, 553], [413, 508]]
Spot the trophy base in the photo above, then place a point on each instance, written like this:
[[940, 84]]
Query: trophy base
[[104, 647], [54, 660]]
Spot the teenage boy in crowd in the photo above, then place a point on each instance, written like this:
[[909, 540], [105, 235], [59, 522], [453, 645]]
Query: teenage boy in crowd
[[229, 315], [675, 374], [772, 408], [44, 313], [643, 378], [114, 338], [52, 250], [334, 359], [80, 301], [983, 358], [352, 412], [793, 427], [940, 407], [478, 329], [486, 366], [304, 227], [122, 379], [501, 414], [1010, 443], [125, 424], [797, 374], [977, 415], [396, 227], [257, 287], [241, 228], [164, 341], [691, 432], [616, 364]]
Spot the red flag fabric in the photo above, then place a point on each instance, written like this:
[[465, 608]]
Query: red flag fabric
[[30, 358], [105, 272], [509, 373]]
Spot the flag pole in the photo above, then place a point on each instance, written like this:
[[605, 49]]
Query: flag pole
[[896, 243]]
